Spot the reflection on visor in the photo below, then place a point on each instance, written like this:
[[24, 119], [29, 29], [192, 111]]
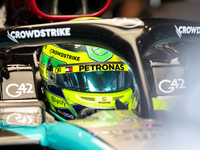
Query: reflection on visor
[[95, 81]]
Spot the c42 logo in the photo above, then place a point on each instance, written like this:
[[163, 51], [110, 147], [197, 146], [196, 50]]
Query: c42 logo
[[169, 86], [19, 118], [22, 88]]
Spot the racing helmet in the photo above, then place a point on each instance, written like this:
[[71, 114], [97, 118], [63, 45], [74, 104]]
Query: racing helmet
[[78, 76]]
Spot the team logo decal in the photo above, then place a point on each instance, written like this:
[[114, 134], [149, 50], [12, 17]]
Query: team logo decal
[[20, 89], [187, 30], [38, 33], [19, 118], [169, 86]]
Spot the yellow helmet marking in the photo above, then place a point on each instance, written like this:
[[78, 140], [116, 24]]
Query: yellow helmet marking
[[91, 67]]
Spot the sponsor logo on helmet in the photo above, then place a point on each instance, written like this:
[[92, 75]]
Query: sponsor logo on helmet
[[66, 114], [187, 30], [88, 98], [104, 100], [55, 52], [38, 33], [102, 67], [61, 70], [60, 102], [91, 67]]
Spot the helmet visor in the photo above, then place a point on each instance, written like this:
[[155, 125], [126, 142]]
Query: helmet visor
[[95, 81]]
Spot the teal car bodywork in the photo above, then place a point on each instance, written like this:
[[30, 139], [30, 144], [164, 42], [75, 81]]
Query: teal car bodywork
[[60, 135]]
